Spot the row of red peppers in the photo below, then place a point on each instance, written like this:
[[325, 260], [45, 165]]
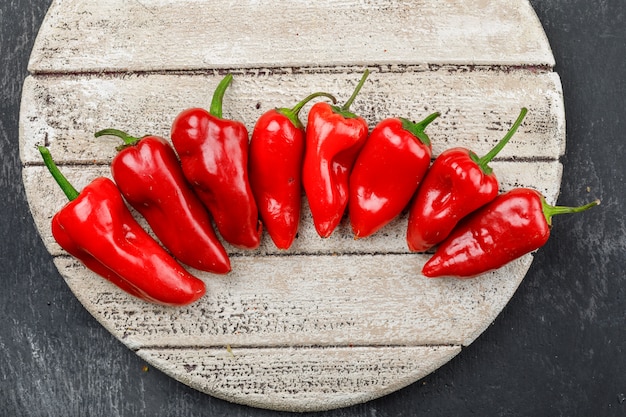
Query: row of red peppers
[[216, 172]]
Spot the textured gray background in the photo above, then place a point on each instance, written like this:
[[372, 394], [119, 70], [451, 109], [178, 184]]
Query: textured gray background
[[556, 350]]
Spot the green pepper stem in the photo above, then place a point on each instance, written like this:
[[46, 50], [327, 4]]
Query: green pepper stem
[[218, 96], [128, 140], [484, 161], [549, 210], [417, 129], [292, 114], [346, 107], [68, 189]]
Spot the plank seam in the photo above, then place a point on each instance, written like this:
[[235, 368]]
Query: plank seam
[[294, 347], [348, 69], [317, 254]]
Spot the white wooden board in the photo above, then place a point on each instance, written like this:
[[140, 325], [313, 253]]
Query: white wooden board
[[331, 322]]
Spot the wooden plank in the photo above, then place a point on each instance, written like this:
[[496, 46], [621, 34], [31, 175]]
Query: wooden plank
[[131, 36], [543, 176], [308, 300], [289, 378], [477, 107]]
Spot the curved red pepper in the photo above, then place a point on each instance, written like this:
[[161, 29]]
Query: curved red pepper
[[275, 170], [334, 137], [387, 173], [148, 174], [513, 224], [214, 156], [457, 183], [97, 228]]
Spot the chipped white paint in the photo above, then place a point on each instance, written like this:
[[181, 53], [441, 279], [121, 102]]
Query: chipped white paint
[[331, 322]]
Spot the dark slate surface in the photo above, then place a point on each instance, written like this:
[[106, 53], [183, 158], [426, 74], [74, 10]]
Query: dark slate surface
[[558, 348]]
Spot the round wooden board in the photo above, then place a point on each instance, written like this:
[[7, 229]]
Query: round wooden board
[[331, 322]]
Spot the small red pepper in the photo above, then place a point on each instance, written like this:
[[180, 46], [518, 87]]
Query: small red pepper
[[97, 228], [514, 224], [387, 173], [275, 170], [214, 156], [148, 174], [457, 183], [334, 137]]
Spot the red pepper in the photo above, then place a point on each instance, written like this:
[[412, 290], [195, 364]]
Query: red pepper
[[514, 224], [457, 183], [276, 154], [214, 156], [97, 228], [149, 176], [387, 173], [334, 137]]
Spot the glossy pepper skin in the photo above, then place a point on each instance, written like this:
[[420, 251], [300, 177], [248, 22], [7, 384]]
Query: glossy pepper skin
[[513, 224], [214, 157], [149, 176], [97, 228], [457, 183], [334, 137], [275, 170], [387, 173]]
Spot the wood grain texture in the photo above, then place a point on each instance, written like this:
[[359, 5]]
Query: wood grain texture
[[290, 377], [477, 107], [122, 35], [331, 322], [325, 300], [316, 332]]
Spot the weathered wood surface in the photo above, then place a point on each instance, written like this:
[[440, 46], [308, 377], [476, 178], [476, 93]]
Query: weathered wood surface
[[477, 107], [324, 300], [162, 35], [331, 322], [300, 377]]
